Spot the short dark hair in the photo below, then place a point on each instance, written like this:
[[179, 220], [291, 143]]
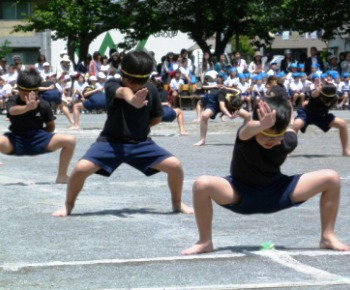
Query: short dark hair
[[29, 79], [137, 66], [283, 112]]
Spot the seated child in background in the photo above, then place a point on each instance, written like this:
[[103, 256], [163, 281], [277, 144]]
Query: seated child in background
[[174, 88], [32, 124], [262, 145], [93, 99]]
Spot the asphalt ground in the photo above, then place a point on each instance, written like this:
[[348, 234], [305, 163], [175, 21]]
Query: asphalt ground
[[123, 235]]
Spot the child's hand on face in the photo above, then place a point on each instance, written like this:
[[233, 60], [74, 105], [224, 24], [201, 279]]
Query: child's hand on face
[[31, 101], [139, 99], [267, 116]]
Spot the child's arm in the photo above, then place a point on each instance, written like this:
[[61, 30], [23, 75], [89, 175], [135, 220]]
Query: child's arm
[[155, 121], [316, 92], [138, 100], [267, 119], [42, 89], [89, 93], [224, 110], [50, 126], [245, 115], [31, 104]]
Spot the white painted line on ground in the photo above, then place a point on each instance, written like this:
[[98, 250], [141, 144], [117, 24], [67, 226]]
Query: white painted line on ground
[[283, 258], [212, 256], [293, 285], [18, 266]]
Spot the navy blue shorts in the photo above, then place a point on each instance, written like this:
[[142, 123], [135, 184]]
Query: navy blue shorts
[[52, 96], [142, 156], [32, 142], [96, 102], [169, 114], [271, 198], [322, 122], [210, 102]]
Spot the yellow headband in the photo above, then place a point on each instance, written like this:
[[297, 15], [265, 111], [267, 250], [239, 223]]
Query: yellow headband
[[332, 95], [135, 76], [273, 134], [27, 89], [228, 99]]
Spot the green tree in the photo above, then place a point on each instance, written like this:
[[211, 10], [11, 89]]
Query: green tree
[[5, 49], [77, 21], [226, 19]]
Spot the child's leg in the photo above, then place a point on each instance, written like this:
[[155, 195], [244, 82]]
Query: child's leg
[[199, 107], [328, 183], [245, 115], [5, 145], [64, 108], [343, 134], [76, 114], [205, 190], [249, 103], [181, 121], [82, 170], [172, 166], [67, 143], [204, 126], [298, 124]]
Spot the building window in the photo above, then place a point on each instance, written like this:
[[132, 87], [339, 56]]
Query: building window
[[14, 11]]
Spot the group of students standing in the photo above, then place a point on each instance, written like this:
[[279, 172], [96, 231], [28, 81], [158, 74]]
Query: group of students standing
[[255, 185]]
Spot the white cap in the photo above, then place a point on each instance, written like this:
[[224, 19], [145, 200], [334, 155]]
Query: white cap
[[93, 78], [46, 64], [101, 75]]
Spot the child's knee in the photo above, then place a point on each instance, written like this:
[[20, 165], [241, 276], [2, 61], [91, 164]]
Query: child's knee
[[332, 178], [200, 184]]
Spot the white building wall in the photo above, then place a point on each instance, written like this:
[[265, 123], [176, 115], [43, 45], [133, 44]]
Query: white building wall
[[159, 45]]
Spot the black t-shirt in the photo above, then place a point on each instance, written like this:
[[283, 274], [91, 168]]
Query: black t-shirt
[[316, 108], [125, 123], [256, 166], [31, 120]]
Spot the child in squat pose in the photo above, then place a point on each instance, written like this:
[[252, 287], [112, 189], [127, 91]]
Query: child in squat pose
[[261, 147], [32, 124], [316, 112], [133, 106]]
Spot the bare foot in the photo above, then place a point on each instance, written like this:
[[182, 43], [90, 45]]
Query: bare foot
[[223, 119], [199, 248], [62, 212], [333, 243], [62, 179], [74, 127], [200, 143], [2, 163], [346, 152], [196, 120], [183, 208], [183, 133]]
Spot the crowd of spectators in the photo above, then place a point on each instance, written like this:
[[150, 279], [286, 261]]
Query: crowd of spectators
[[68, 82]]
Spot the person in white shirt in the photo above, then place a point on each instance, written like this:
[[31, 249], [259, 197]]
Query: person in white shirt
[[175, 85], [241, 63], [296, 90], [46, 73], [5, 93]]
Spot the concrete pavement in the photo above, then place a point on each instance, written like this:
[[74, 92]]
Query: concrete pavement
[[122, 234]]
